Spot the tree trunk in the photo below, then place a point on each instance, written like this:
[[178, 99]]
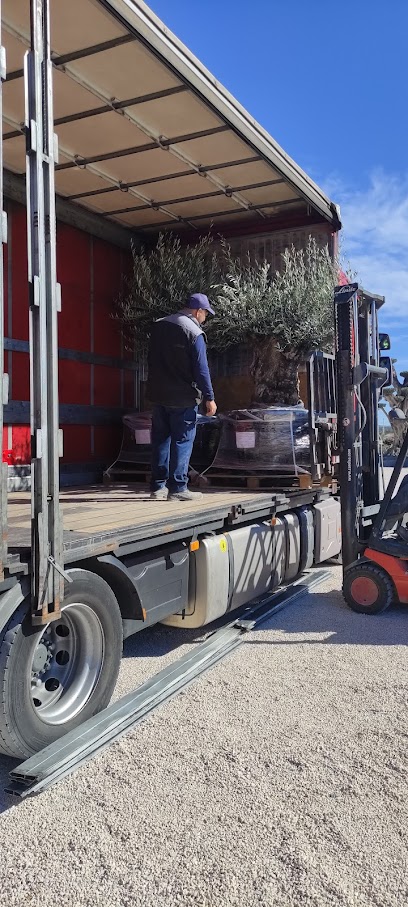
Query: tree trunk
[[276, 378]]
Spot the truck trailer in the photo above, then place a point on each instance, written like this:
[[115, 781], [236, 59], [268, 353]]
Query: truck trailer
[[147, 141]]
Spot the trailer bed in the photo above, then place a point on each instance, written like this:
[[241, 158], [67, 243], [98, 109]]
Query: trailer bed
[[122, 518]]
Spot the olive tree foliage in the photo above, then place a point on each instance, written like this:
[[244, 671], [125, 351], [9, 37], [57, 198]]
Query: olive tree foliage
[[293, 305], [161, 281], [282, 315]]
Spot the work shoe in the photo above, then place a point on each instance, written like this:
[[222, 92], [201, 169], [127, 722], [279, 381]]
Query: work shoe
[[185, 495], [160, 495]]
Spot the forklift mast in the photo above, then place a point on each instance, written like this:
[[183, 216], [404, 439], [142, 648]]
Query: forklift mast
[[359, 379]]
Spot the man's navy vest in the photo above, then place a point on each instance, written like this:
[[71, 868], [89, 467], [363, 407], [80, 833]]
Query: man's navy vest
[[170, 379]]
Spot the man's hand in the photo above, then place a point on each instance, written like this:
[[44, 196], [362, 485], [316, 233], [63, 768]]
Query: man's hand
[[211, 407]]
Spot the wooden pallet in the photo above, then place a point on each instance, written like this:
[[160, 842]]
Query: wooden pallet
[[138, 475], [228, 479], [258, 481], [142, 475]]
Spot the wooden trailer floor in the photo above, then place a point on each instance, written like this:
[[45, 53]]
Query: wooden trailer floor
[[99, 518]]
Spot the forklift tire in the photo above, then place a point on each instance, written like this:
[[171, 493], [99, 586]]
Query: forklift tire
[[54, 677], [368, 589]]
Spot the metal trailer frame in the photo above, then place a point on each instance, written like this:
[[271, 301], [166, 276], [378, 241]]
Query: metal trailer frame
[[47, 548], [47, 586], [322, 406], [44, 561], [3, 380]]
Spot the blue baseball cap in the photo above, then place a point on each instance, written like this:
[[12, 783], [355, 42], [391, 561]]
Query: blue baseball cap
[[200, 301]]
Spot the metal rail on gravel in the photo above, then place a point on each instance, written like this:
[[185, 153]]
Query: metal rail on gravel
[[61, 758]]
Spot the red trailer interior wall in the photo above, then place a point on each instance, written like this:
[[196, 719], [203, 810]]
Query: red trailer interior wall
[[95, 380]]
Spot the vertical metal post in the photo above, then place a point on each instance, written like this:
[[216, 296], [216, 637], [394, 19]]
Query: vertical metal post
[[322, 407], [349, 419], [3, 377], [92, 335], [315, 469], [369, 353], [374, 402], [46, 525]]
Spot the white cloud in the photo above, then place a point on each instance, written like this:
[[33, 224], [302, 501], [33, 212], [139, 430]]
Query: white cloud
[[375, 237], [374, 242]]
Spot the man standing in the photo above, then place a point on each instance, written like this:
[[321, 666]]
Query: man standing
[[178, 380]]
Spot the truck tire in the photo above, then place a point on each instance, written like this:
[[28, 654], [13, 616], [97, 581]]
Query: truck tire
[[368, 589], [53, 678]]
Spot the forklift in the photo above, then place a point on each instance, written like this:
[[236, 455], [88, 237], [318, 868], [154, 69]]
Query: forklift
[[374, 530]]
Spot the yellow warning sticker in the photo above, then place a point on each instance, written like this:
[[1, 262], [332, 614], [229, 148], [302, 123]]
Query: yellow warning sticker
[[223, 544]]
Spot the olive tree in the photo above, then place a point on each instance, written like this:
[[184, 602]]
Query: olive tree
[[282, 316]]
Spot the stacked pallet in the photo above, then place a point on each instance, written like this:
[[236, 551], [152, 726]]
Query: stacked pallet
[[256, 449]]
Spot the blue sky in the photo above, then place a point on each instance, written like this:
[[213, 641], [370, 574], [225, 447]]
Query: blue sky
[[329, 81]]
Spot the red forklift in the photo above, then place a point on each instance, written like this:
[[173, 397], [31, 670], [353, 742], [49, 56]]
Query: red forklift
[[374, 530]]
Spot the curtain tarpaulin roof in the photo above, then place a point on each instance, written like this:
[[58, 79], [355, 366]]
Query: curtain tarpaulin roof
[[147, 137]]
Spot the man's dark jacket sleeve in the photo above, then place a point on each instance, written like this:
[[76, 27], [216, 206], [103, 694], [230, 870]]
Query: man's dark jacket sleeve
[[201, 372]]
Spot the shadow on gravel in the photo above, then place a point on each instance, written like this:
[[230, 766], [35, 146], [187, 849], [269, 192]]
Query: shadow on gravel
[[327, 615], [159, 640], [322, 613]]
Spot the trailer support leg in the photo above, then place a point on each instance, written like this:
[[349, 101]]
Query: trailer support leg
[[46, 441]]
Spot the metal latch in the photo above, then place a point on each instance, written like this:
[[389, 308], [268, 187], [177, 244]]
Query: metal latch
[[60, 570], [236, 511]]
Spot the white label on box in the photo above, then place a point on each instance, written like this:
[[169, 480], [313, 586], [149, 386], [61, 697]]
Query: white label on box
[[245, 439], [142, 436]]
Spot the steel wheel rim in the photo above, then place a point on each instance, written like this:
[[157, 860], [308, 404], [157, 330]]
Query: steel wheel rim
[[365, 591], [66, 664]]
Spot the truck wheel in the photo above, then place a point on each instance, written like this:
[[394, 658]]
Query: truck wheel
[[368, 589], [53, 678]]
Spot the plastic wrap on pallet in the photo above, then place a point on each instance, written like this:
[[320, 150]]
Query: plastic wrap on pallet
[[206, 442], [137, 437], [274, 439]]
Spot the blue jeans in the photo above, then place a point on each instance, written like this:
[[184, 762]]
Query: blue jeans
[[173, 433]]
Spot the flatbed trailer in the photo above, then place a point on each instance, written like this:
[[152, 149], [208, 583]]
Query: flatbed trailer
[[147, 141], [216, 557], [124, 520]]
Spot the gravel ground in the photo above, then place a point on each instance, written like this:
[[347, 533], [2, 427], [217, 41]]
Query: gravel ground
[[278, 779]]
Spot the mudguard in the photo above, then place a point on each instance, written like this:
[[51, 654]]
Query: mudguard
[[11, 599], [114, 572]]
